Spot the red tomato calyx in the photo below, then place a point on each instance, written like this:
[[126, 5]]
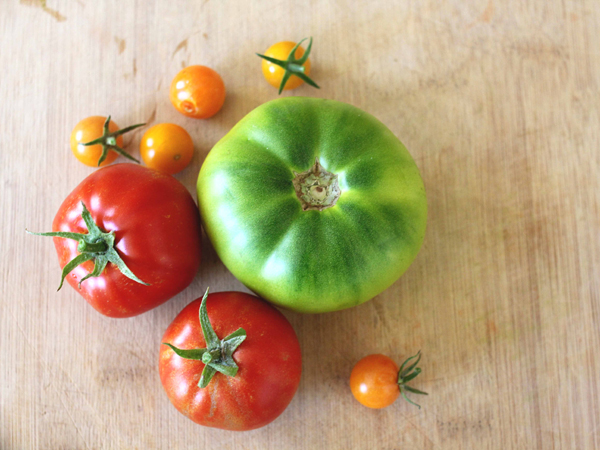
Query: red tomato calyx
[[218, 356], [108, 141], [407, 374], [96, 245], [293, 66]]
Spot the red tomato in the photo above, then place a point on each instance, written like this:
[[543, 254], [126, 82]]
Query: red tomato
[[269, 362], [156, 225]]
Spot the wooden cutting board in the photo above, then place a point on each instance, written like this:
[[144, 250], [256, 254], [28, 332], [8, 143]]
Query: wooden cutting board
[[497, 102]]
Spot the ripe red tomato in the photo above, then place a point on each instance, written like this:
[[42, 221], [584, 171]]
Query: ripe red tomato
[[269, 362], [156, 228], [198, 92], [376, 381]]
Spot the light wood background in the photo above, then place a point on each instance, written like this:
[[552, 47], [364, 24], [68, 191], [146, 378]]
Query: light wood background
[[498, 103]]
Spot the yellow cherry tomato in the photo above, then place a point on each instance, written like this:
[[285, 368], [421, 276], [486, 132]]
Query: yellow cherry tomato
[[167, 148], [274, 73], [87, 130]]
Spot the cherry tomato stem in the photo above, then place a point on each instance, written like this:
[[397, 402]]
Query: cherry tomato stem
[[296, 64], [110, 140]]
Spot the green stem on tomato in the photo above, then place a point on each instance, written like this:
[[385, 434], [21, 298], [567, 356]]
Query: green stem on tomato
[[108, 141], [407, 374], [96, 245], [293, 66], [218, 354]]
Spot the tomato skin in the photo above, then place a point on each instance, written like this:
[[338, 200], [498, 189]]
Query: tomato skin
[[307, 260], [157, 234], [273, 73], [197, 92], [374, 381], [269, 360], [167, 147], [87, 130]]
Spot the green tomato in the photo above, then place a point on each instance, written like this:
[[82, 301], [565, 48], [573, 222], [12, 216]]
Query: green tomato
[[313, 204]]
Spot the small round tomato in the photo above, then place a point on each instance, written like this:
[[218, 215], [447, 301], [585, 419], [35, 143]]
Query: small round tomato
[[376, 381], [97, 141], [274, 73], [87, 130], [167, 148], [198, 92], [230, 360]]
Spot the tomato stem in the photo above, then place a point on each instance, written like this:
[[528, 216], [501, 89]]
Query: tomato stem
[[96, 245], [91, 247], [218, 354], [293, 66], [317, 188], [407, 374], [108, 141]]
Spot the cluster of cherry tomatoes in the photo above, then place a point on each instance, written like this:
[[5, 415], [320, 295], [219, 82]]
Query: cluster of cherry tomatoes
[[197, 92]]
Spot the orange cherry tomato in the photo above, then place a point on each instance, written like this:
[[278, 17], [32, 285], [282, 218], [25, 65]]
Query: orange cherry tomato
[[376, 381], [87, 130], [274, 74], [167, 148], [198, 92]]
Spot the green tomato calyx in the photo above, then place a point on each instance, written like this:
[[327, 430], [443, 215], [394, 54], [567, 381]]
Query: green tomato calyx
[[108, 141], [317, 188], [96, 245], [407, 374], [218, 354], [293, 66]]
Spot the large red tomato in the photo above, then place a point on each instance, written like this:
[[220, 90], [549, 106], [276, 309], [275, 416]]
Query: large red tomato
[[252, 342], [155, 229]]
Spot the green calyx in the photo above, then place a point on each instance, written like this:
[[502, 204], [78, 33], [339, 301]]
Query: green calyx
[[108, 141], [407, 374], [96, 245], [293, 66], [218, 354]]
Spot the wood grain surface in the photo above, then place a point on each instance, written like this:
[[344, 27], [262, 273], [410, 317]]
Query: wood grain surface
[[497, 102]]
